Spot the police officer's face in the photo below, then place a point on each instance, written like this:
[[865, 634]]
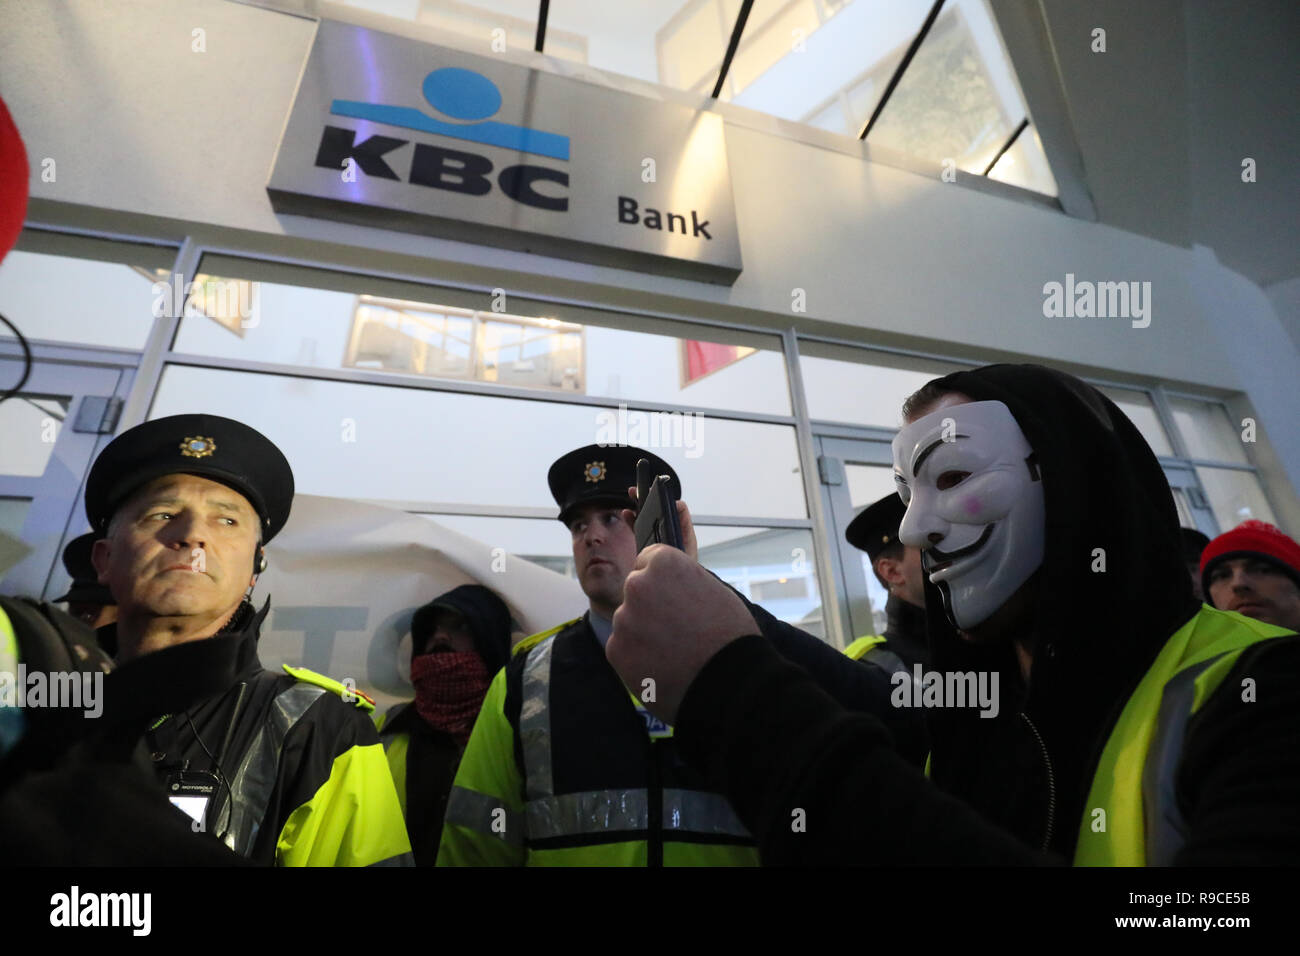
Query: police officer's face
[[181, 546], [1256, 589], [604, 551]]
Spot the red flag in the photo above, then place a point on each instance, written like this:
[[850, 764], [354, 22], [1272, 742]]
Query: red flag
[[701, 358]]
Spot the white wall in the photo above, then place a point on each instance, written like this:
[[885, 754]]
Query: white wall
[[1285, 297], [882, 254]]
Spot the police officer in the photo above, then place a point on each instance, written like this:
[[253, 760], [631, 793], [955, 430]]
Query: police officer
[[566, 764], [87, 599], [897, 567], [459, 640], [284, 768], [599, 783]]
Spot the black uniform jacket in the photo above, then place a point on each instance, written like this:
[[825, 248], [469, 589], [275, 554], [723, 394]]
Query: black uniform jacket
[[905, 641], [269, 741], [79, 789]]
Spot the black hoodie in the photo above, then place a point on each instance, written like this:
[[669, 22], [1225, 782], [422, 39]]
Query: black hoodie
[[433, 756], [1011, 786]]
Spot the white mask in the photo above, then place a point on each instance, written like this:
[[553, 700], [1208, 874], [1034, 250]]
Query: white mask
[[991, 523]]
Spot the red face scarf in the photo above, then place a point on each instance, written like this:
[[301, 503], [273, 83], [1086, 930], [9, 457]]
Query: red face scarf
[[449, 690]]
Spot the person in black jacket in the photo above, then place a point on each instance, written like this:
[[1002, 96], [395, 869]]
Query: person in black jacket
[[283, 768], [1083, 609], [459, 640]]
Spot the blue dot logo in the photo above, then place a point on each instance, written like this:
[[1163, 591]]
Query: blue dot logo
[[464, 94]]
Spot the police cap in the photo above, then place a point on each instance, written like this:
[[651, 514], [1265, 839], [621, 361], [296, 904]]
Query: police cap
[[876, 526], [85, 588], [598, 474], [209, 446]]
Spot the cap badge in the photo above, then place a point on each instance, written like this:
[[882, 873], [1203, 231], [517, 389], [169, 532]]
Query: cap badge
[[198, 447], [595, 471]]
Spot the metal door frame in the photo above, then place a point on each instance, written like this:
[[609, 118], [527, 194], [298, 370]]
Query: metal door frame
[[55, 515], [833, 453]]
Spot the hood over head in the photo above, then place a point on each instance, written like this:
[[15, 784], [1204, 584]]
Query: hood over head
[[485, 613], [1093, 632]]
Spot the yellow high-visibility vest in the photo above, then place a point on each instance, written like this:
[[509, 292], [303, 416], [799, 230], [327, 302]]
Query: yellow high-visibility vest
[[1131, 817]]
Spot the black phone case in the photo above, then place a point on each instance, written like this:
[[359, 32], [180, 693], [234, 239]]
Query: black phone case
[[656, 519]]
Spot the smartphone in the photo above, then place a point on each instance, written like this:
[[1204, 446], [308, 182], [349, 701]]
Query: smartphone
[[656, 517]]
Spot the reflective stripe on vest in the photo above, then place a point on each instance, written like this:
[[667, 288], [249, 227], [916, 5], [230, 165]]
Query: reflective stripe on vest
[[1134, 786], [251, 785], [549, 815], [535, 722], [478, 811]]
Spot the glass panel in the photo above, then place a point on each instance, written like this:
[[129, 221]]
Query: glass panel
[[798, 56], [959, 99], [393, 336], [1207, 431], [1025, 165], [543, 541], [473, 25], [776, 29], [13, 512], [1137, 406], [864, 391], [868, 484], [1235, 496], [690, 45], [529, 353], [831, 118], [947, 104], [325, 328], [413, 445], [1185, 517], [796, 59], [771, 567], [30, 425], [81, 301]]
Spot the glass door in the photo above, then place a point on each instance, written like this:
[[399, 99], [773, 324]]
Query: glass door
[[1193, 507], [855, 473]]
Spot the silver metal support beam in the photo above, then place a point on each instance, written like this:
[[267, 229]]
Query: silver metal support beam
[[159, 342], [1023, 26], [827, 558]]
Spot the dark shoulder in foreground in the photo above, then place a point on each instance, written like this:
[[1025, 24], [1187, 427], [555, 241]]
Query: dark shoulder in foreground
[[1239, 781]]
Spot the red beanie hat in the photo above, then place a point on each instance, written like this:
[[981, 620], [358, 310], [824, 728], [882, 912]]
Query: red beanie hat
[[1257, 539], [13, 182]]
